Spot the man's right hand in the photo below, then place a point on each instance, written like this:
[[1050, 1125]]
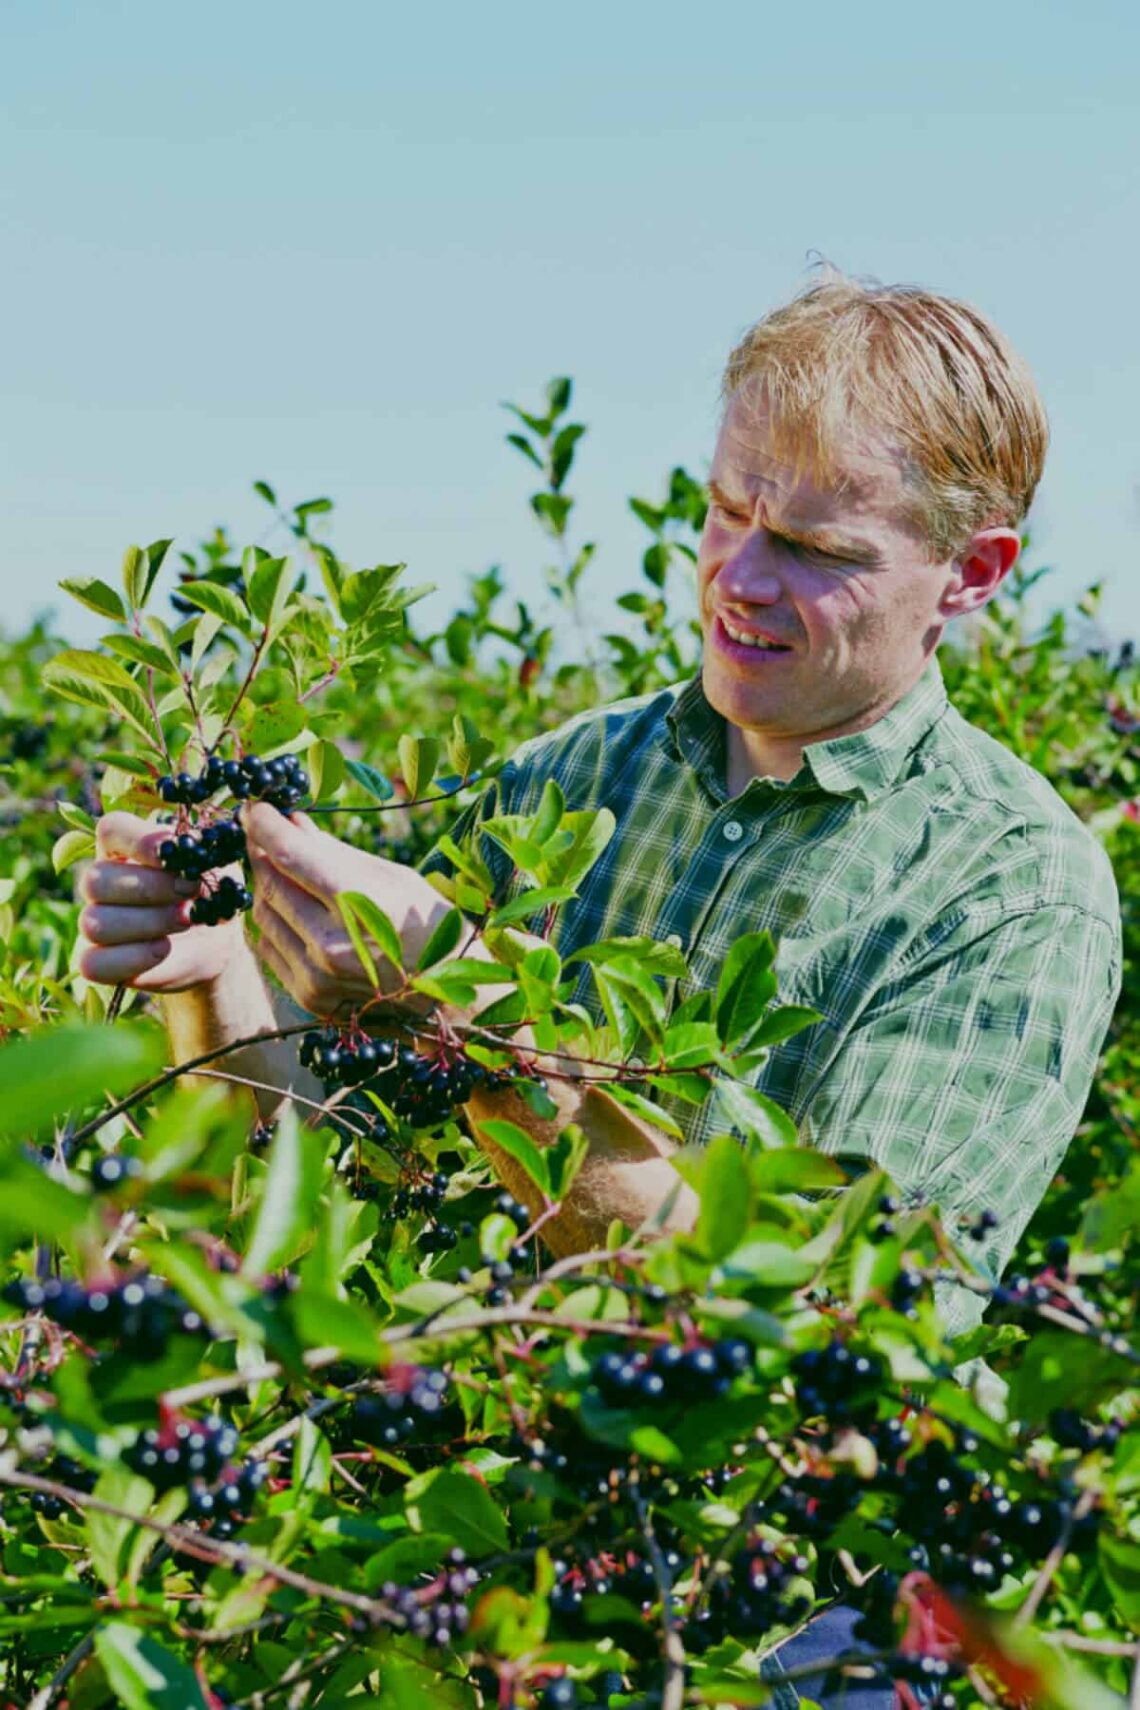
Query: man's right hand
[[136, 928]]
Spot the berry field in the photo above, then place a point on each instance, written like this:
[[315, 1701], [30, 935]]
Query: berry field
[[303, 1411]]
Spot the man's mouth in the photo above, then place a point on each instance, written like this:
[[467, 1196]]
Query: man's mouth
[[754, 638]]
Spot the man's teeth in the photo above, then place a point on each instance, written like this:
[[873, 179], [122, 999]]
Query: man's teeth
[[751, 640]]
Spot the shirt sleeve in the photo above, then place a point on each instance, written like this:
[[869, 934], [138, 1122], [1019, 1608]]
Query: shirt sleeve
[[966, 1077]]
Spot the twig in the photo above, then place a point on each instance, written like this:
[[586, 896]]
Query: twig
[[672, 1646], [1052, 1562], [47, 1695]]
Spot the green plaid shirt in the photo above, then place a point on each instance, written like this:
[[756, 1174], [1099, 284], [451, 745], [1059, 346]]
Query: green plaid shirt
[[955, 924]]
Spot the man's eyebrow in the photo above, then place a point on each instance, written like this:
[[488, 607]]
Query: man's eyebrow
[[853, 551]]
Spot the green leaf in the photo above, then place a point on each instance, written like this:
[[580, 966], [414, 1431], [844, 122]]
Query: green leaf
[[73, 846], [357, 908], [312, 1463], [139, 652], [459, 1506], [691, 1045], [107, 1534], [325, 766], [287, 1213], [745, 988], [134, 575], [649, 953], [223, 602], [444, 938], [273, 726], [419, 756], [752, 1113], [565, 1159], [725, 1192], [643, 1107], [377, 785], [794, 1169], [93, 680], [55, 1069], [97, 596], [143, 1674], [789, 1019], [548, 815], [268, 586], [131, 763], [591, 831], [517, 1143], [530, 902], [32, 1204]]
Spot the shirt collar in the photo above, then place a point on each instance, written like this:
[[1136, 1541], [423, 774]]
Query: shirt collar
[[864, 764]]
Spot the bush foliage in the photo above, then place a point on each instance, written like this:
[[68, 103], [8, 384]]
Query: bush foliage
[[308, 1416]]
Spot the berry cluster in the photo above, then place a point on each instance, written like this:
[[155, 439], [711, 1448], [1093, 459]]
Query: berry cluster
[[61, 1469], [224, 1507], [436, 1613], [423, 1090], [410, 1405], [141, 1313], [191, 855], [281, 782], [671, 1373], [181, 1450], [837, 1383], [762, 1587]]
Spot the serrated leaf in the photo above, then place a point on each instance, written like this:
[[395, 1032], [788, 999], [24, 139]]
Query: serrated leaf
[[462, 1508], [223, 602], [139, 652], [325, 766], [96, 595], [107, 1534]]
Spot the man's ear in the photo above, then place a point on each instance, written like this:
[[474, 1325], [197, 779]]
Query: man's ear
[[980, 569]]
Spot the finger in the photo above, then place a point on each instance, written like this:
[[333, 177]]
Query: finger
[[289, 945], [108, 925], [126, 837], [122, 964], [280, 967], [308, 915], [305, 855], [126, 883]]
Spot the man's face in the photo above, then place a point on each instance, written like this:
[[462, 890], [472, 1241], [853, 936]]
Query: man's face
[[837, 573]]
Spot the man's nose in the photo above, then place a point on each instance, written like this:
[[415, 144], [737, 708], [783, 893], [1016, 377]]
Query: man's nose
[[750, 572]]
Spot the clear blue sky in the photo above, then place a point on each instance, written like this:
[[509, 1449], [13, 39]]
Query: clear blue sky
[[320, 246]]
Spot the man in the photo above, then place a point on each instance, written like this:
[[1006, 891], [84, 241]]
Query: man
[[931, 896]]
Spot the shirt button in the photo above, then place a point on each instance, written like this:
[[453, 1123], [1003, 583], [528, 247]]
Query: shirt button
[[675, 940], [733, 831]]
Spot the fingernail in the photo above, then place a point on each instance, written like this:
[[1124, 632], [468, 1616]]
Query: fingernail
[[186, 887]]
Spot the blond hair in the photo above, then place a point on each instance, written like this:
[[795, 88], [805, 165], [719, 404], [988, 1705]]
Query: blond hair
[[929, 375]]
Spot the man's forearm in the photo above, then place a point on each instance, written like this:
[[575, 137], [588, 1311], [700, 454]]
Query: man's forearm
[[234, 1007], [626, 1174]]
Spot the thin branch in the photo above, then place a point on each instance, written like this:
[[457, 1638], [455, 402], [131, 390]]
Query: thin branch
[[50, 1693]]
